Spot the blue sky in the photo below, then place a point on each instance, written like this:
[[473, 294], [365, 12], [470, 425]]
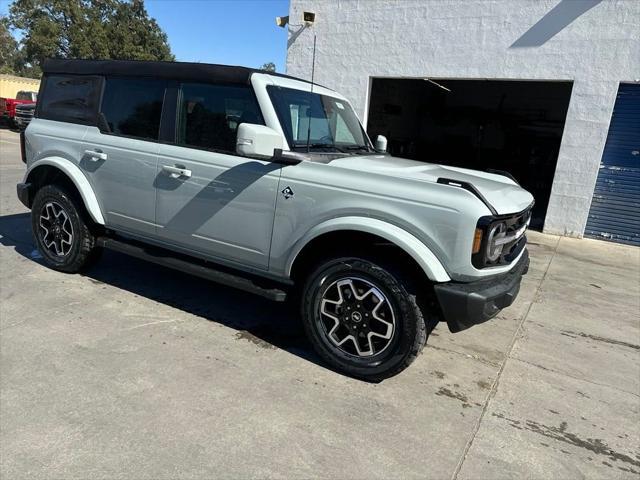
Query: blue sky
[[237, 32]]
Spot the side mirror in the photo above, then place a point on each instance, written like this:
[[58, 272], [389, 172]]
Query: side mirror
[[381, 144], [257, 141]]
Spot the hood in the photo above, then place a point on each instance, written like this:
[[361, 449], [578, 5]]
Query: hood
[[502, 193]]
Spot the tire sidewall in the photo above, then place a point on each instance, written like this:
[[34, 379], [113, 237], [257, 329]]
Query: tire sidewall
[[407, 322], [56, 194]]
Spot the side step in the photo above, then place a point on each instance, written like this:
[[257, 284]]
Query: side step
[[193, 267]]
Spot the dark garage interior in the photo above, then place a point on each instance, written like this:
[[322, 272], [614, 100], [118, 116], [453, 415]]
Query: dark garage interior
[[515, 126]]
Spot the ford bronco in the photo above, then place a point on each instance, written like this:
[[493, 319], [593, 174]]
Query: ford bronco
[[270, 184]]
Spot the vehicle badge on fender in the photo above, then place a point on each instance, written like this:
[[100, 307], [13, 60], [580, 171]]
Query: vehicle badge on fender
[[287, 192]]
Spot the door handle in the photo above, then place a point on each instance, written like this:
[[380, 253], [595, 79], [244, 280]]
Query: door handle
[[95, 155], [176, 172]]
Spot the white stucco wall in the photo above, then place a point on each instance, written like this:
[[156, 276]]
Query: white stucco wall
[[360, 39]]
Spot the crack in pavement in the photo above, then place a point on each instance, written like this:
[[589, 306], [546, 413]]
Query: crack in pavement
[[611, 341]]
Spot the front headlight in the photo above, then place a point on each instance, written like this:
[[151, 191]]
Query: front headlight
[[495, 243]]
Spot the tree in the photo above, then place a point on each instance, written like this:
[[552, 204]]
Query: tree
[[135, 35], [268, 67], [8, 48], [91, 29]]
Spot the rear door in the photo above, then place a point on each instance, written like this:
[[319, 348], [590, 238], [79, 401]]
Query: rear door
[[120, 154], [210, 200]]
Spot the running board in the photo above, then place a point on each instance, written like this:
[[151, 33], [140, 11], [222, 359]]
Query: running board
[[168, 259]]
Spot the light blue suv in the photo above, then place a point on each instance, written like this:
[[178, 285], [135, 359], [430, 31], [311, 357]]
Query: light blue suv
[[270, 184]]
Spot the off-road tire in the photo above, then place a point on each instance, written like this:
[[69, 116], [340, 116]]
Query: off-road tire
[[411, 328], [83, 250]]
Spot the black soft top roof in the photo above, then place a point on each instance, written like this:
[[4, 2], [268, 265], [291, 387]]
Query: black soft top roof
[[168, 70]]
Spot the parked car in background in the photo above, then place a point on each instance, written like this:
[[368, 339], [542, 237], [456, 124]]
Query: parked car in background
[[24, 114], [270, 184], [8, 106]]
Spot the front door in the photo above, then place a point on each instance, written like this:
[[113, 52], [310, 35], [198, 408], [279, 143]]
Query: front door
[[120, 156], [209, 200]]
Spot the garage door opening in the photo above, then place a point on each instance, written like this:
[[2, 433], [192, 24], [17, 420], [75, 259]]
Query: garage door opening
[[515, 126]]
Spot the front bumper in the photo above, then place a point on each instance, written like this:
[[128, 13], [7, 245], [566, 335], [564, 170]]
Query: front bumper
[[22, 121], [464, 305]]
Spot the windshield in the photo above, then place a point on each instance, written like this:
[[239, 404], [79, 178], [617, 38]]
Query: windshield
[[328, 123], [26, 96]]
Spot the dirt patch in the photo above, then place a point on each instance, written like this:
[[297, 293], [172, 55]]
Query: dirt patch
[[244, 335], [483, 384], [457, 395], [562, 434]]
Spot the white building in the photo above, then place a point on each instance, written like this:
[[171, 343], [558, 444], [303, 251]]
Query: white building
[[530, 87]]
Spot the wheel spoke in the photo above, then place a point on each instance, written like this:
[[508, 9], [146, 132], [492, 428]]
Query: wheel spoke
[[46, 230], [48, 208], [330, 315], [376, 316], [57, 243], [66, 227]]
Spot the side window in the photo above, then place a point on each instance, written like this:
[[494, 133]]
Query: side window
[[70, 98], [132, 107], [209, 115]]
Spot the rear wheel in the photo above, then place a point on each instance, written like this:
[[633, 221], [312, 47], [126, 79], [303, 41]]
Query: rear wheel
[[363, 318], [62, 230]]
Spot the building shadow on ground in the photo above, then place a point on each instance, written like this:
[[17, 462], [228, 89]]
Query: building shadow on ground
[[260, 321]]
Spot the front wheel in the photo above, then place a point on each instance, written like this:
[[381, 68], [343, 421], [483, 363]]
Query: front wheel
[[363, 319], [61, 230]]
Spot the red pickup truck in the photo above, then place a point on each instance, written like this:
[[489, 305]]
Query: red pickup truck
[[8, 105]]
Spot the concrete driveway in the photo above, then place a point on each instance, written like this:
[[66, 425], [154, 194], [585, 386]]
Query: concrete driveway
[[136, 371]]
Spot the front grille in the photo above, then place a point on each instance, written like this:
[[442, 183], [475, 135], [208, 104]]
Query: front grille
[[24, 113], [516, 225], [513, 241]]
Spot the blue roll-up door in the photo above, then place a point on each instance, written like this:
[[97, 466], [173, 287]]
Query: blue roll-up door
[[615, 208]]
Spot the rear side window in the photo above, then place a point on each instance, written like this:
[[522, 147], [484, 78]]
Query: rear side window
[[209, 115], [70, 98], [132, 107]]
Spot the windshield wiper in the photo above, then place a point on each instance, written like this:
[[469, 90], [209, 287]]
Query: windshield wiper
[[357, 147], [321, 145]]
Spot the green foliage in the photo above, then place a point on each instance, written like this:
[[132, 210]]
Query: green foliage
[[90, 29], [8, 48], [268, 67]]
